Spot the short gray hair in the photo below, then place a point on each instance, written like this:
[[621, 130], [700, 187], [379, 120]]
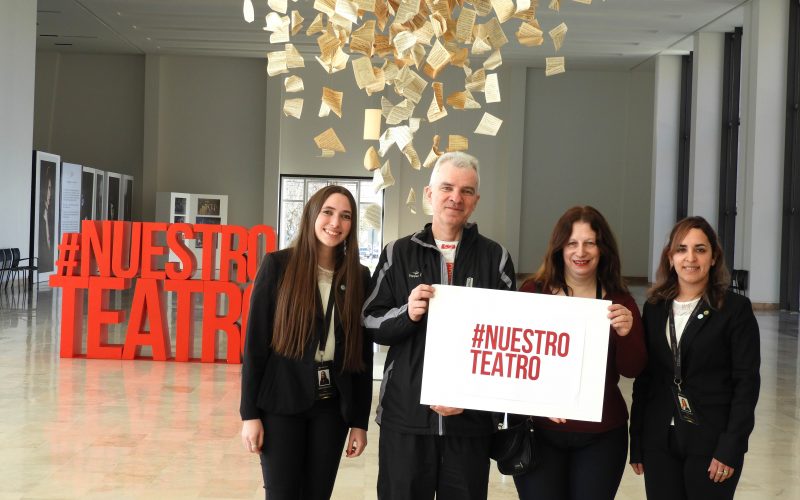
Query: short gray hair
[[458, 159]]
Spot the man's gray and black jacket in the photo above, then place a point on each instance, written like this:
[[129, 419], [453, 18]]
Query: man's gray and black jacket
[[404, 264]]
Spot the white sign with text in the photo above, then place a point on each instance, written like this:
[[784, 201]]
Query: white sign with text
[[525, 353]]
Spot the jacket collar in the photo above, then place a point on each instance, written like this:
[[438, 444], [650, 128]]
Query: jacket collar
[[693, 327], [425, 237]]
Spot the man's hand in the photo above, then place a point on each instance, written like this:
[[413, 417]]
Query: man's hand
[[418, 301], [446, 411]]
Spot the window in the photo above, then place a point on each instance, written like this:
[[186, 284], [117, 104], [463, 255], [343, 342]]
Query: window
[[295, 192]]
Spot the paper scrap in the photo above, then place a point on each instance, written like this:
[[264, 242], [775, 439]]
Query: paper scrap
[[371, 160], [489, 125], [476, 81], [372, 124], [362, 68], [555, 5], [554, 66], [457, 143], [482, 6], [434, 153], [371, 216], [293, 107], [316, 26], [412, 156], [495, 34], [436, 110], [529, 35], [463, 100], [382, 178], [493, 61], [293, 83], [466, 21], [331, 101], [504, 9], [557, 34], [363, 39], [411, 200], [297, 22], [329, 140], [438, 58], [492, 88]]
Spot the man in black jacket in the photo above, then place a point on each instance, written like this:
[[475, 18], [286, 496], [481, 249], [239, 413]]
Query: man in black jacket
[[431, 450]]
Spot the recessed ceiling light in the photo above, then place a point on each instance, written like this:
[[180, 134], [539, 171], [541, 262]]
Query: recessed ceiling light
[[148, 39], [134, 27]]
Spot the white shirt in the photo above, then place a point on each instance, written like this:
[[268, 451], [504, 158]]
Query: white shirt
[[681, 311], [324, 282], [448, 249]]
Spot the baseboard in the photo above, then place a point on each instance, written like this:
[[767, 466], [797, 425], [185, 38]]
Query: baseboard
[[765, 306]]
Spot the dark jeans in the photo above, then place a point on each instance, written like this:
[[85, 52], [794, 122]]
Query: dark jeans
[[417, 467], [575, 465], [301, 453], [674, 475]]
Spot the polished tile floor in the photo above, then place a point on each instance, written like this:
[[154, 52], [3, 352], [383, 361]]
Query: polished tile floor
[[76, 428]]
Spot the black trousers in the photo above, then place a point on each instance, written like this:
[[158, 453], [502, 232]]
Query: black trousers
[[672, 474], [417, 467], [575, 465], [301, 453]]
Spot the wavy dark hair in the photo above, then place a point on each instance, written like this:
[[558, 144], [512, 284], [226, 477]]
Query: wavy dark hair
[[666, 287], [550, 275], [296, 308]]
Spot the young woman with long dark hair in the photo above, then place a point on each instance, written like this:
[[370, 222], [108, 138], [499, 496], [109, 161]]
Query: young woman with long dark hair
[[307, 367]]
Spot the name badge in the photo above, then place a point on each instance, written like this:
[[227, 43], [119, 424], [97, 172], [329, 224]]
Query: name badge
[[325, 387], [686, 410]]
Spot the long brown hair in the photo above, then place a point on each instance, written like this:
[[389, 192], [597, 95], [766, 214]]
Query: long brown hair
[[550, 275], [296, 309], [667, 287]]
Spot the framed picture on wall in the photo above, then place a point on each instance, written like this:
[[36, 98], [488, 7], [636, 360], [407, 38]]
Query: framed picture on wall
[[127, 198], [99, 193], [208, 206], [113, 187], [45, 191], [87, 193]]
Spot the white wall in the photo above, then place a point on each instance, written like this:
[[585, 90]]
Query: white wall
[[88, 110], [765, 55], [709, 50], [666, 134], [17, 56], [577, 152]]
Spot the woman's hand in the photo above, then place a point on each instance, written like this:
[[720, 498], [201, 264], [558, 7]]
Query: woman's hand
[[718, 472], [356, 442], [621, 319], [558, 420], [252, 435], [638, 469]]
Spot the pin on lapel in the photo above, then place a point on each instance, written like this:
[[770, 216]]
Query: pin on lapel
[[703, 314]]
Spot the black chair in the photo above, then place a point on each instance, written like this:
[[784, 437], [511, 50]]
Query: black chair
[[739, 281], [5, 263], [17, 268]]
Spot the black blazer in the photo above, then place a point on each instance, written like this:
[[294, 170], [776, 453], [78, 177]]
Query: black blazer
[[272, 383], [720, 357]]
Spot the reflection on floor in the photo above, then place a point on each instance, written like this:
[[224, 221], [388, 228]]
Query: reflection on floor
[[75, 428]]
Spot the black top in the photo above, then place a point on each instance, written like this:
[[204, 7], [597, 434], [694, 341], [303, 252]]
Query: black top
[[275, 384], [720, 362]]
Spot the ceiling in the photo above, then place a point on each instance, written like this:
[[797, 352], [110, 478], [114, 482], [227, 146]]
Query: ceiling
[[610, 33]]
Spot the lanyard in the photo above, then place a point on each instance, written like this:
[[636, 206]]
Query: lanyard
[[326, 326], [675, 345], [598, 292]]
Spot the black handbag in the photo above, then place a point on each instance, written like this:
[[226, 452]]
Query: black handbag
[[512, 448]]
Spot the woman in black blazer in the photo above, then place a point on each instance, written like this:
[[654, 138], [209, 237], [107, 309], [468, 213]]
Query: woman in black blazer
[[691, 420], [305, 322]]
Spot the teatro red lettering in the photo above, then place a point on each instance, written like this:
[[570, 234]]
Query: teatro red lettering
[[106, 255]]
